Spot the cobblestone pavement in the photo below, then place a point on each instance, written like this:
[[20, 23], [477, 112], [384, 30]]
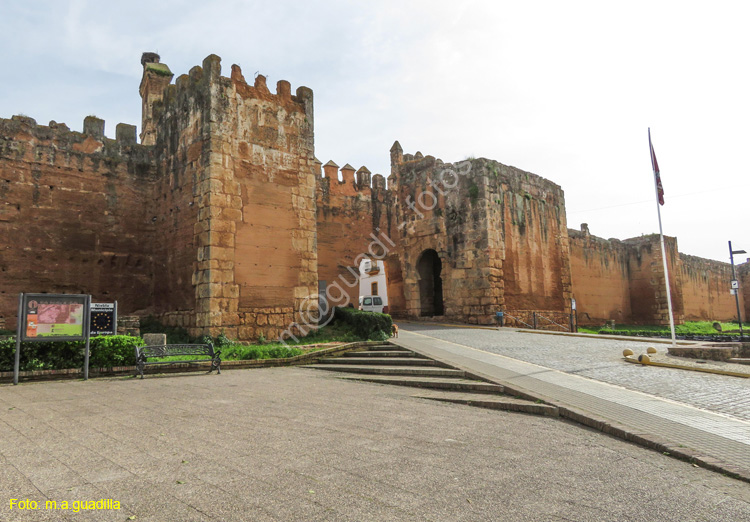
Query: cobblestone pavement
[[601, 360]]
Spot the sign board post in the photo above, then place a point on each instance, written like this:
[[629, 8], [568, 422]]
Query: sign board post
[[52, 317]]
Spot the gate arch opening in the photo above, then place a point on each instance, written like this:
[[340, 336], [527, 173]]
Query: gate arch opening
[[429, 267]]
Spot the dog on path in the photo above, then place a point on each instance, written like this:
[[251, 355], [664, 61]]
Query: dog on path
[[394, 330]]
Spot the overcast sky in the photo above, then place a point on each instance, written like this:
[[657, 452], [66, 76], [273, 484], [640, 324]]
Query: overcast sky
[[564, 89]]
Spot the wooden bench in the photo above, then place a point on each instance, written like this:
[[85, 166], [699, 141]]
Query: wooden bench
[[144, 353]]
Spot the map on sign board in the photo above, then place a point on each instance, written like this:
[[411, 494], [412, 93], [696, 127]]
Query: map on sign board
[[54, 316]]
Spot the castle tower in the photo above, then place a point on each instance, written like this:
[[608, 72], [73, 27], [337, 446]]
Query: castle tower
[[156, 78]]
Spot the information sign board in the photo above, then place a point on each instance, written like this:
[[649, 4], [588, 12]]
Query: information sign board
[[53, 317], [103, 318]]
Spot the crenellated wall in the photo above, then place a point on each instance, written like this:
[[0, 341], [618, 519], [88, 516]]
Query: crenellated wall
[[76, 213], [705, 289], [222, 220], [353, 222], [246, 157], [624, 281]]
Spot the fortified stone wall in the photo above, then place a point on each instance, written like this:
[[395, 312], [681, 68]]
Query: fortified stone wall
[[245, 156], [624, 281], [499, 234], [354, 223], [443, 252], [76, 213], [222, 222], [528, 237], [631, 272], [705, 289], [648, 295], [600, 277], [743, 275], [179, 114]]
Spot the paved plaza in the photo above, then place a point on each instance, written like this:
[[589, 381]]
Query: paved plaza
[[299, 444]]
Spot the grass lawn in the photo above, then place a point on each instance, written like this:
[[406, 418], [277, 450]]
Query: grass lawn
[[236, 351], [689, 328]]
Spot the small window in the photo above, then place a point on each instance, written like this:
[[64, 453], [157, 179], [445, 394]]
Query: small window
[[374, 288], [367, 301], [377, 301]]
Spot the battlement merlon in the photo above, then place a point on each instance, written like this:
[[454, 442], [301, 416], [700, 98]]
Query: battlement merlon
[[354, 182], [259, 90], [156, 87], [93, 128]]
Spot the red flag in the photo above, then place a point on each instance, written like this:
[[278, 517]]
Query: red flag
[[655, 165]]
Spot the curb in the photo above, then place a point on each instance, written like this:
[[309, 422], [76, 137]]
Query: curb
[[657, 340], [126, 371]]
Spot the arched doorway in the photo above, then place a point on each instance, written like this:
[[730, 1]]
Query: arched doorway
[[429, 267]]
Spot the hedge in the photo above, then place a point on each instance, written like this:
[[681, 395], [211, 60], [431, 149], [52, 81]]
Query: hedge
[[105, 352], [367, 325]]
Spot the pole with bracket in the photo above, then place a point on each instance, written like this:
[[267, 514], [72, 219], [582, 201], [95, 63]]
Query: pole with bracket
[[735, 284]]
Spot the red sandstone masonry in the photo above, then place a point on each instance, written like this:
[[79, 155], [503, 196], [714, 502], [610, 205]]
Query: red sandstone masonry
[[349, 213], [222, 221], [75, 213]]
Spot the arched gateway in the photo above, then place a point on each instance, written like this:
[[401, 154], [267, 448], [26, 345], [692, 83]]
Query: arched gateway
[[429, 267]]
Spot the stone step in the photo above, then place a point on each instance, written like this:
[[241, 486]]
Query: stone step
[[493, 402], [382, 361], [463, 385], [383, 353], [386, 347], [419, 371], [740, 360]]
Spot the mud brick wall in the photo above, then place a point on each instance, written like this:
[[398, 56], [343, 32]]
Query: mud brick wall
[[600, 277], [705, 289], [743, 275], [75, 214], [624, 280], [354, 223]]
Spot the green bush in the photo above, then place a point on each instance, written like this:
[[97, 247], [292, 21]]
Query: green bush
[[367, 325], [113, 350], [105, 352]]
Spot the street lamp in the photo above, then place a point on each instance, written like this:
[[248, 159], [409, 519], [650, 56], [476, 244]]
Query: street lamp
[[736, 284]]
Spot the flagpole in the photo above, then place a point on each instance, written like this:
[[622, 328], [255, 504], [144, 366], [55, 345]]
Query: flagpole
[[661, 240]]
